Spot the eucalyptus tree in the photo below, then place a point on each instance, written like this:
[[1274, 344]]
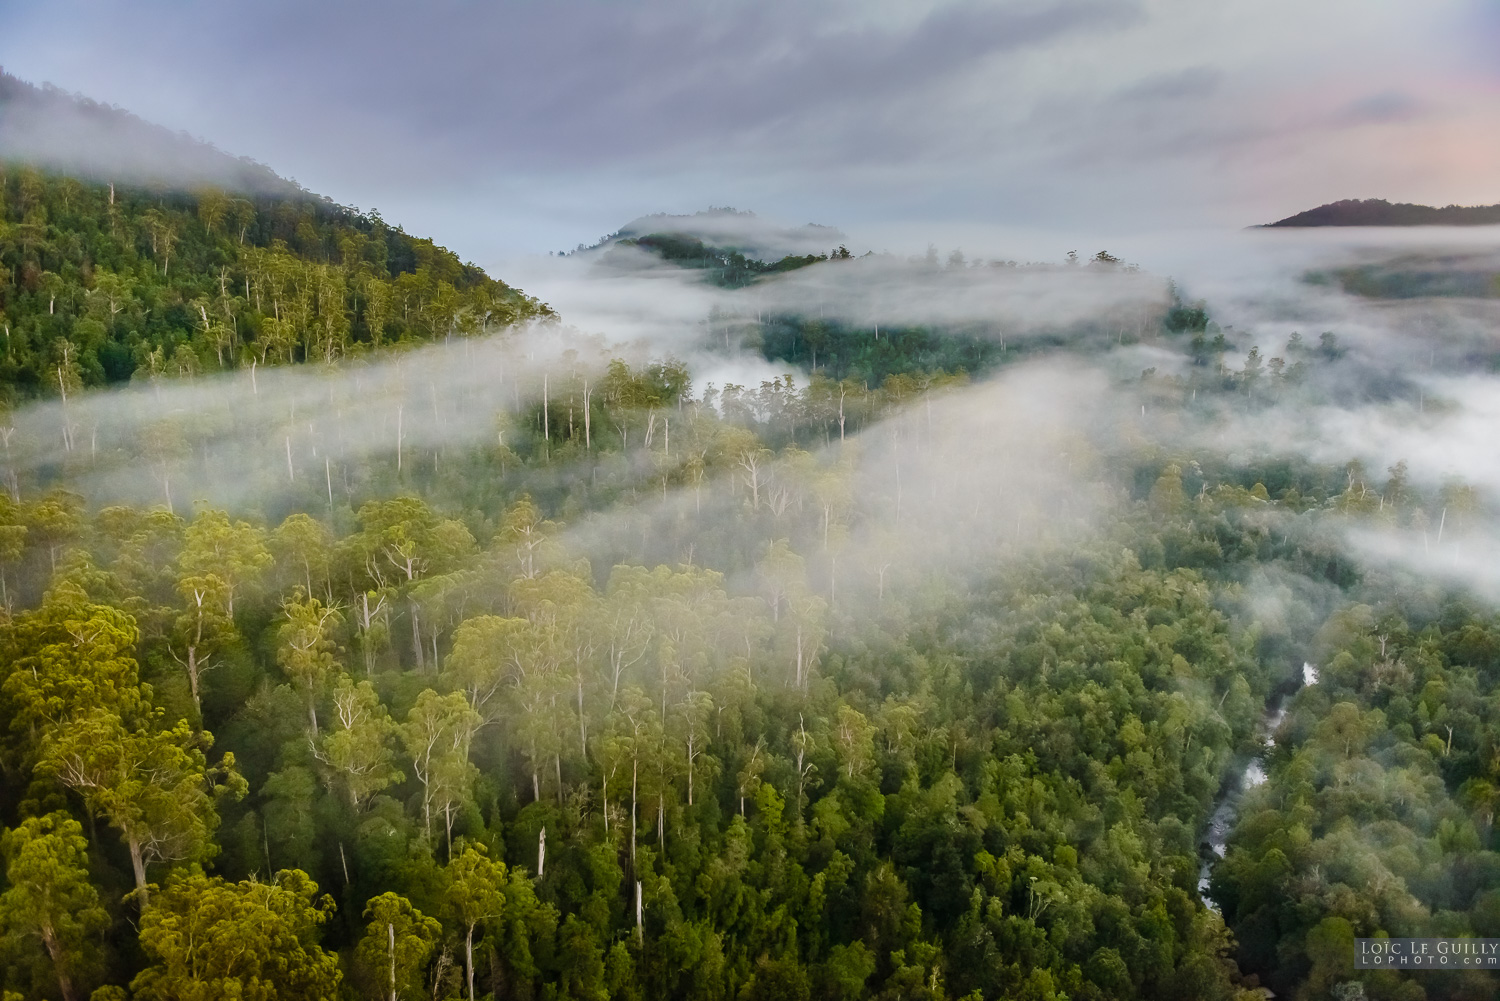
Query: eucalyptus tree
[[154, 786], [49, 900], [208, 938]]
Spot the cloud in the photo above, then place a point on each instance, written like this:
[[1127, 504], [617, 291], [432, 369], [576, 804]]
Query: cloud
[[252, 438], [897, 292], [57, 130], [954, 485], [503, 127], [755, 236]]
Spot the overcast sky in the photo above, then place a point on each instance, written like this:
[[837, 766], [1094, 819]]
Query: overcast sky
[[513, 128]]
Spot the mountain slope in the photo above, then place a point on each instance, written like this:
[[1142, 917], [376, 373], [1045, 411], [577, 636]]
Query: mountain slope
[[107, 276]]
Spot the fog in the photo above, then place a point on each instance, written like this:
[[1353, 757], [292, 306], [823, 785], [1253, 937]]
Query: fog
[[753, 235], [238, 439], [1049, 113], [956, 485], [73, 134], [966, 473]]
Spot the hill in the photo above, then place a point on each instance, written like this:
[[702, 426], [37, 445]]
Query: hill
[[1378, 212], [732, 248], [114, 266]]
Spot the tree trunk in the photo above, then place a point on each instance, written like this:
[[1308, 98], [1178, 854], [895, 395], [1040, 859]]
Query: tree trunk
[[138, 865], [54, 950], [469, 949], [369, 649], [192, 669], [583, 731], [390, 931], [448, 821], [416, 639]]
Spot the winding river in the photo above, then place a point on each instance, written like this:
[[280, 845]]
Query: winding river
[[1216, 835]]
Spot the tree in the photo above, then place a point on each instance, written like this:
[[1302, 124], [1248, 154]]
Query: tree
[[356, 751], [12, 532], [54, 522], [437, 734], [403, 541], [487, 651], [1330, 946], [742, 450], [301, 545], [634, 731], [855, 736], [69, 657], [234, 551], [202, 629], [528, 535], [397, 945], [209, 939], [476, 895], [50, 898], [154, 786], [307, 649], [692, 729], [1166, 494]]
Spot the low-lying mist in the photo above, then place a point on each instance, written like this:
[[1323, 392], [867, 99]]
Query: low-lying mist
[[952, 472]]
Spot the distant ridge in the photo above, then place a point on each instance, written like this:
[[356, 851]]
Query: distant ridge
[[1379, 212]]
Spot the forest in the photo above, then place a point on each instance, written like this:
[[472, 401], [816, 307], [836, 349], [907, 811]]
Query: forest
[[101, 283], [369, 632]]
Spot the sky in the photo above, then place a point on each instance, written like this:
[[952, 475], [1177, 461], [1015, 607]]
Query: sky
[[518, 128]]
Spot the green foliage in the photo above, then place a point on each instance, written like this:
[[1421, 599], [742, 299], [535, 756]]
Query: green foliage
[[102, 283], [642, 700], [397, 946], [1377, 816], [50, 900], [208, 939], [153, 785]]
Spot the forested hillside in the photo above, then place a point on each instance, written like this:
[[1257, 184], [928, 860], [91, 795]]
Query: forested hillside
[[100, 283]]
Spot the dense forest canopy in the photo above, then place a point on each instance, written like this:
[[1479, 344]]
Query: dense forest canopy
[[470, 654]]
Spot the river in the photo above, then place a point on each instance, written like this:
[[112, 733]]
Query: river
[[1226, 809]]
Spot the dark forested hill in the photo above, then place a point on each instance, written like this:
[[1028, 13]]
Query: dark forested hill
[[1379, 212], [105, 274]]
